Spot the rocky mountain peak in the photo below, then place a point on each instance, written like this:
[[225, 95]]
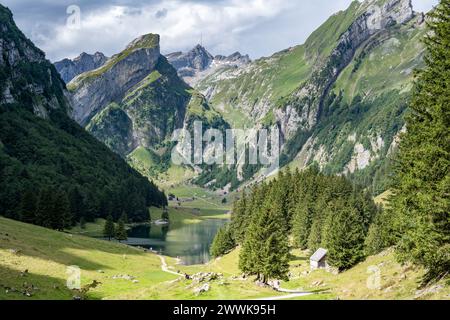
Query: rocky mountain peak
[[236, 57], [197, 59], [381, 15], [69, 69], [197, 63], [95, 89], [146, 41]]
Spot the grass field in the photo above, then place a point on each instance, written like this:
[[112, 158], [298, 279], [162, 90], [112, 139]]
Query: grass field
[[396, 282], [34, 260], [46, 254]]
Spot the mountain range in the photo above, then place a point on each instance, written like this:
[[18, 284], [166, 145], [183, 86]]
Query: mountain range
[[53, 173], [70, 68], [338, 100]]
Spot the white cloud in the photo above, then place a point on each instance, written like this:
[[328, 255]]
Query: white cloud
[[181, 25], [257, 27]]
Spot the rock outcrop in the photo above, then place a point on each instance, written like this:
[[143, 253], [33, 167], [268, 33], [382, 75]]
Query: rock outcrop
[[94, 90], [347, 72], [198, 63], [187, 64], [69, 69], [308, 100], [26, 77], [45, 152], [136, 101]]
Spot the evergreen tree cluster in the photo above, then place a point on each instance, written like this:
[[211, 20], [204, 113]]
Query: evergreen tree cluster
[[418, 220], [312, 209], [52, 172], [54, 160], [110, 230]]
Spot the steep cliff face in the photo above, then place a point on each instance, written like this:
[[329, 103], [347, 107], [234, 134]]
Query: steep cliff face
[[26, 77], [148, 113], [338, 99], [309, 99], [94, 90], [69, 69], [43, 151], [137, 118]]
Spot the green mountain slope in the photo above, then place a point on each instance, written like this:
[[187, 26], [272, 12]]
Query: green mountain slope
[[137, 115], [338, 99], [51, 170], [47, 254]]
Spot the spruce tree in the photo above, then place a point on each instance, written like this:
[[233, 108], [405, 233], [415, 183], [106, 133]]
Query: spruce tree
[[77, 206], [61, 216], [343, 235], [318, 218], [302, 221], [240, 218], [223, 243], [109, 230], [82, 223], [265, 252], [121, 232], [422, 181], [44, 212], [28, 206]]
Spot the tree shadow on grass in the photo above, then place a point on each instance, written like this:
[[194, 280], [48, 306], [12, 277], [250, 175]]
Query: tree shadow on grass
[[16, 285], [58, 247], [293, 257]]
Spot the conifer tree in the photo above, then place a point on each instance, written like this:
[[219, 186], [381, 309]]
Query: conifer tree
[[82, 223], [422, 182], [223, 243], [380, 233], [343, 235], [319, 216], [315, 236], [265, 252], [77, 204], [301, 225], [240, 218], [61, 216], [109, 230], [121, 232], [45, 208], [29, 206]]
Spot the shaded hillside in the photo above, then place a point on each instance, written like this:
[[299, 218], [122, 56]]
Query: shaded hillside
[[51, 170]]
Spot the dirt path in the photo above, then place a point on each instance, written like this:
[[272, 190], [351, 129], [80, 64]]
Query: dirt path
[[289, 296], [165, 267], [293, 293]]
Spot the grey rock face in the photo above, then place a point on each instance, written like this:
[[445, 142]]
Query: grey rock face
[[236, 59], [198, 63], [69, 69], [308, 100], [198, 59], [41, 88], [94, 90]]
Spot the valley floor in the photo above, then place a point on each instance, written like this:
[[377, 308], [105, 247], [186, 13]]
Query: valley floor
[[34, 261]]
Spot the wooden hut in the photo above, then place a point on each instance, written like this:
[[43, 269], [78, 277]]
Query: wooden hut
[[319, 259]]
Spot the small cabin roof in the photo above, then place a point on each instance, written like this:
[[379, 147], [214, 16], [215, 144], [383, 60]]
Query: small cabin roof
[[319, 255]]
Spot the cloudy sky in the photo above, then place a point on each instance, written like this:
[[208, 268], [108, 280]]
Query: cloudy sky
[[256, 27]]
